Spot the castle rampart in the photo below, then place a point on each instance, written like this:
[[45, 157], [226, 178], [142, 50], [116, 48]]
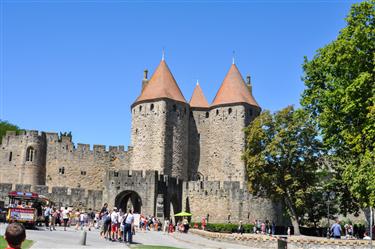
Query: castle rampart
[[226, 202]]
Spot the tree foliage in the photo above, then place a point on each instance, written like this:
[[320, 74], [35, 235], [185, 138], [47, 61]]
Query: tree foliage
[[6, 126], [282, 152], [340, 96]]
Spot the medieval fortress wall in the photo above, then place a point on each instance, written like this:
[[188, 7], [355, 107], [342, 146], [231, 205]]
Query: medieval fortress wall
[[181, 155]]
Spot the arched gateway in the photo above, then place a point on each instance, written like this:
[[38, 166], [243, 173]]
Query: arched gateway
[[129, 199], [146, 192]]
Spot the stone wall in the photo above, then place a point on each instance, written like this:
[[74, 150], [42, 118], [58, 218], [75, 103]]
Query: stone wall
[[15, 165], [61, 196], [227, 202], [199, 136], [177, 140], [81, 166]]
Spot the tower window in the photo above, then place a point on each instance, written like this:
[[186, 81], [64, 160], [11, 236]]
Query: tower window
[[207, 114], [61, 170], [217, 112], [229, 110], [83, 173], [115, 174], [174, 108], [152, 107], [140, 108], [30, 154], [10, 156]]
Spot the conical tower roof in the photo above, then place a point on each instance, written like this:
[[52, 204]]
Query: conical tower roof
[[233, 90], [161, 85], [198, 99]]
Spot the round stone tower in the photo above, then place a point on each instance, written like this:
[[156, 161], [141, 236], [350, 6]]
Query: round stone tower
[[160, 125], [232, 109], [25, 158]]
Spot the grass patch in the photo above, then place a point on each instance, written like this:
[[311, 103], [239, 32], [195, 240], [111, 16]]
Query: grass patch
[[152, 247], [25, 245]]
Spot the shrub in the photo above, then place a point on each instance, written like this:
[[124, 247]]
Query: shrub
[[224, 227]]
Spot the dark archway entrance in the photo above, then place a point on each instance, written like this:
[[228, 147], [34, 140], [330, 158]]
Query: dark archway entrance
[[129, 199]]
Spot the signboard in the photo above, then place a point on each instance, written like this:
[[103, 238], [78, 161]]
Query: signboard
[[22, 214]]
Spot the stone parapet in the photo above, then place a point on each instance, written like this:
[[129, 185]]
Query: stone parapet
[[293, 242]]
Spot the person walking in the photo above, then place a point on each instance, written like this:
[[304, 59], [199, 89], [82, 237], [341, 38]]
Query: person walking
[[53, 218], [114, 224], [65, 216], [336, 230], [47, 214], [240, 228], [128, 223]]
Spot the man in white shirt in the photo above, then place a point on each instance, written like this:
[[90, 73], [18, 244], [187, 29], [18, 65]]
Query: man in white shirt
[[129, 224], [114, 224]]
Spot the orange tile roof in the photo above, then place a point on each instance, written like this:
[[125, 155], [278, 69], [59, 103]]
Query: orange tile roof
[[198, 99], [233, 90], [161, 85]]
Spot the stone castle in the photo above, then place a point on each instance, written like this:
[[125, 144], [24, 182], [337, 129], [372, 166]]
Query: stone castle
[[183, 156]]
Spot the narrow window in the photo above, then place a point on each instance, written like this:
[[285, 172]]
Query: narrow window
[[217, 112], [61, 170], [83, 173], [229, 110], [140, 108], [10, 156], [207, 114], [115, 174], [152, 107], [30, 154], [251, 112], [174, 108]]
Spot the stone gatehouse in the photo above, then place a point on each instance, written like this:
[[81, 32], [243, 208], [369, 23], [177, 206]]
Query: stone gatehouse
[[183, 156]]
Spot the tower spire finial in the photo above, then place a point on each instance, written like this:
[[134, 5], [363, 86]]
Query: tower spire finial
[[197, 82], [163, 55], [233, 57]]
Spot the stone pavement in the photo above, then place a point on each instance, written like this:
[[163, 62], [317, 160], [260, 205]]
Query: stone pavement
[[70, 239]]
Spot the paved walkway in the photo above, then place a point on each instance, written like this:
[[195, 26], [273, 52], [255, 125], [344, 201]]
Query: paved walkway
[[70, 239]]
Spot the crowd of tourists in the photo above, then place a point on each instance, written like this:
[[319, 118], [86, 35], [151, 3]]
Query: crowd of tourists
[[114, 224]]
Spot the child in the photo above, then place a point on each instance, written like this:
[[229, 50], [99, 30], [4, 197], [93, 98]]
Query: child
[[15, 234]]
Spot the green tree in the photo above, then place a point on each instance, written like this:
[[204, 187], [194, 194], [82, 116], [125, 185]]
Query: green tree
[[6, 126], [281, 154], [340, 96]]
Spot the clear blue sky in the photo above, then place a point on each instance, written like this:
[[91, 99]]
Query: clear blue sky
[[77, 65]]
